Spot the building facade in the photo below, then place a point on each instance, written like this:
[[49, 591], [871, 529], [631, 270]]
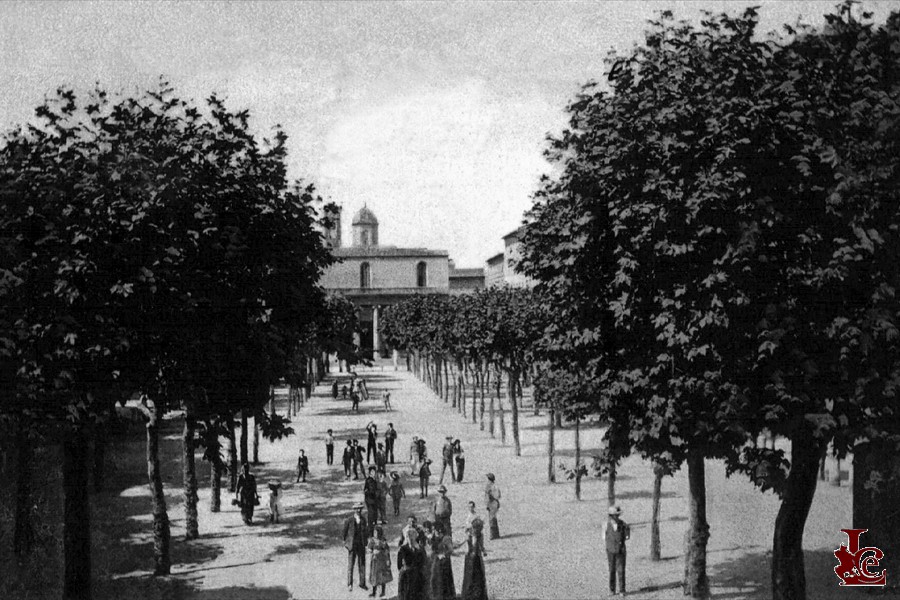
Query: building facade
[[500, 269]]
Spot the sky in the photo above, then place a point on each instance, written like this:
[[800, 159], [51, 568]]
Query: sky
[[433, 114]]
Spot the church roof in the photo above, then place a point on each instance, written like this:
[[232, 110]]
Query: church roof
[[364, 217], [376, 251]]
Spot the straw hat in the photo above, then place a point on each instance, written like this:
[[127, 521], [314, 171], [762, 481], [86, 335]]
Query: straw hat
[[443, 488], [614, 510]]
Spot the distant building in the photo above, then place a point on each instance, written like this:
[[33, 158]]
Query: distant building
[[500, 269], [373, 276]]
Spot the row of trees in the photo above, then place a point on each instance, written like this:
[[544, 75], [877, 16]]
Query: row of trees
[[150, 245], [718, 252]]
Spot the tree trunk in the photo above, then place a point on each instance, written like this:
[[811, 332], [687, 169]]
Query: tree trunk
[[497, 386], [232, 456], [611, 485], [822, 468], [101, 438], [577, 458], [76, 517], [446, 382], [215, 486], [875, 508], [502, 423], [551, 451], [475, 397], [788, 570], [513, 384], [161, 533], [256, 418], [23, 536], [658, 473], [481, 385], [245, 455], [189, 472], [559, 423], [696, 583]]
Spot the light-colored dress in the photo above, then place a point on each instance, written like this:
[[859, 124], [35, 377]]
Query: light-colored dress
[[380, 562]]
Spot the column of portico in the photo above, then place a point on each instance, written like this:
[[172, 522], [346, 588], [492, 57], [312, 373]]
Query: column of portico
[[376, 336]]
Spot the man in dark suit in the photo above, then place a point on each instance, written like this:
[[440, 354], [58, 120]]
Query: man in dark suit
[[615, 534], [348, 458], [370, 493], [355, 538]]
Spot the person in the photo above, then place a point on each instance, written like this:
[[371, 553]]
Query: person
[[447, 459], [348, 458], [397, 492], [424, 475], [421, 450], [302, 466], [357, 459], [410, 585], [362, 388], [615, 534], [492, 501], [442, 585], [386, 398], [381, 459], [474, 586], [354, 398], [370, 495], [471, 516], [389, 437], [245, 494], [427, 543], [372, 443], [460, 458], [274, 501], [414, 456], [329, 447], [442, 510], [355, 532], [382, 497], [334, 389], [344, 392], [379, 561]]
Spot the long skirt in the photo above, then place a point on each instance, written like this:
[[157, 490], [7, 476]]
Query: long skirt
[[410, 585], [460, 469], [474, 586], [442, 586], [380, 568]]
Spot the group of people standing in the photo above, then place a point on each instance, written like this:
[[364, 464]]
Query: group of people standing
[[452, 457]]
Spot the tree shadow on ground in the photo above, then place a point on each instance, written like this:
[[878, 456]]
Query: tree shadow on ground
[[642, 494]]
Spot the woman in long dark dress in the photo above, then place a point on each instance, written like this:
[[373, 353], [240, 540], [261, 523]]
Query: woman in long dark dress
[[442, 585], [245, 494], [474, 585], [410, 585]]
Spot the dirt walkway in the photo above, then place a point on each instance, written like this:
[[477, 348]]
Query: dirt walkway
[[551, 545]]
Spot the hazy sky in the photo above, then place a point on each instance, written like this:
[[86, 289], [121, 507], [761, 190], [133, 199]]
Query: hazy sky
[[432, 113]]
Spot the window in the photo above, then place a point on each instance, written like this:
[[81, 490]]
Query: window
[[364, 239], [421, 275], [365, 276]]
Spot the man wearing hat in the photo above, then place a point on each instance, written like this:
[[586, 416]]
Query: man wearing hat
[[370, 493], [447, 459], [615, 534], [442, 509], [355, 536], [492, 502]]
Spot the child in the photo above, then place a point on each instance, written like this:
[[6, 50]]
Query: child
[[344, 392], [424, 475], [302, 466], [397, 492], [274, 501]]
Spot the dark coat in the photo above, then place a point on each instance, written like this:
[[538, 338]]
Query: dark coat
[[615, 538], [354, 536]]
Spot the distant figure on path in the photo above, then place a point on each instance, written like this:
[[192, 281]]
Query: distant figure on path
[[329, 447], [414, 456], [442, 585], [381, 459], [397, 492], [615, 534], [334, 389], [344, 392], [354, 537], [424, 476], [379, 562], [357, 459], [390, 436], [447, 459], [245, 494], [348, 458], [354, 398], [274, 502], [459, 457], [372, 444], [492, 501], [370, 494], [386, 398], [302, 466], [474, 585], [442, 510], [382, 497]]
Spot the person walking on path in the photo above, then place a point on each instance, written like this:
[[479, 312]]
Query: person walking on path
[[459, 457], [474, 586], [447, 459], [396, 491], [382, 497], [442, 510], [442, 585], [615, 534], [372, 443], [348, 458], [329, 448], [245, 494], [390, 436], [424, 476], [410, 584], [386, 398], [274, 501], [379, 562], [344, 391], [414, 456], [334, 389], [492, 501], [381, 459], [354, 398], [355, 533], [357, 459], [302, 466], [370, 495]]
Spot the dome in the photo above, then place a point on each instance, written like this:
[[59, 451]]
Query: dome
[[364, 217]]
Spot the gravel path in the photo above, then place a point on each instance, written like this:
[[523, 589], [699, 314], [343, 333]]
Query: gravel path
[[551, 545]]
